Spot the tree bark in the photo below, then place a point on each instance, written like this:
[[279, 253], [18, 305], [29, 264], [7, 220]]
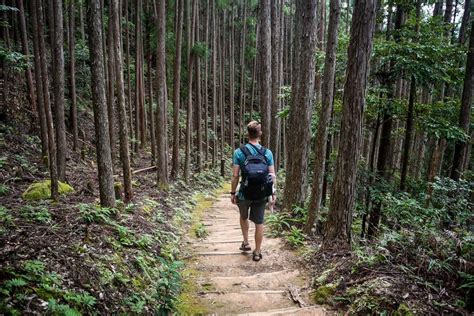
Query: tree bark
[[176, 90], [38, 10], [121, 107], [320, 145], [275, 81], [104, 158], [25, 50], [214, 85], [161, 133], [58, 88], [110, 87], [460, 151], [265, 78], [72, 77], [242, 76], [39, 86], [338, 229], [299, 120]]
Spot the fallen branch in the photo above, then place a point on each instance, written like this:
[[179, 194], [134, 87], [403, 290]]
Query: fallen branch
[[296, 296], [144, 169]]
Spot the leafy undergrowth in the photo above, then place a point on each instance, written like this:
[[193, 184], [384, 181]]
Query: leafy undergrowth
[[74, 257], [422, 261]]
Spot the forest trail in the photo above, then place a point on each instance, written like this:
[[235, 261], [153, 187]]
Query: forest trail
[[229, 282]]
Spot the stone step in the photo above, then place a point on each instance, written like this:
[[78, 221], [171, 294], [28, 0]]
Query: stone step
[[311, 310]]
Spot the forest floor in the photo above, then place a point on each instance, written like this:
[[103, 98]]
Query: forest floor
[[225, 280]]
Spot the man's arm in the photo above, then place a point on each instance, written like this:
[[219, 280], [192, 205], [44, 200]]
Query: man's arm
[[235, 182]]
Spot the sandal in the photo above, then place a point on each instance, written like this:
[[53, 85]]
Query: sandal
[[257, 256], [245, 246]]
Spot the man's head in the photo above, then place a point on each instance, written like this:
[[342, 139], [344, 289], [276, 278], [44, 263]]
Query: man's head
[[254, 129]]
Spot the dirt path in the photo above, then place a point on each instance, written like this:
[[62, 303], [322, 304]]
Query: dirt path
[[229, 282]]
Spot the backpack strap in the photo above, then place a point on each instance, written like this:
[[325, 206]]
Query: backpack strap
[[245, 151], [262, 151]]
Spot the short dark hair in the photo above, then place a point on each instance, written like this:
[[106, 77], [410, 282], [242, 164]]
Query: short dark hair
[[254, 129]]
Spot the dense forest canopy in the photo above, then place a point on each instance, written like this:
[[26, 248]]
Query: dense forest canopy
[[111, 106]]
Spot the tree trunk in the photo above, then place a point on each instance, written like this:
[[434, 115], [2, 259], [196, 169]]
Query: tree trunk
[[222, 92], [242, 76], [176, 90], [231, 80], [161, 133], [275, 81], [214, 84], [121, 108], [320, 145], [38, 11], [58, 88], [206, 87], [465, 21], [72, 77], [189, 112], [104, 158], [338, 229], [110, 88], [265, 78], [39, 87], [197, 92], [299, 120], [460, 151], [25, 50]]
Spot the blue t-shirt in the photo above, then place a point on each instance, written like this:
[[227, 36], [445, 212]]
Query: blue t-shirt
[[238, 159]]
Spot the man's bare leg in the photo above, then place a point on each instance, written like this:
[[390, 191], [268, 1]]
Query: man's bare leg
[[244, 225], [258, 237]]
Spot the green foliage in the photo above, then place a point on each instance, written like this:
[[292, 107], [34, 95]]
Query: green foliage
[[4, 189], [6, 217], [38, 214], [201, 50], [17, 61], [295, 237], [92, 213], [169, 284], [34, 280], [200, 231]]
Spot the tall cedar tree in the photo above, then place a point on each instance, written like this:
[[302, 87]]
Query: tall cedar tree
[[38, 12], [265, 78], [338, 228], [460, 151], [161, 132], [72, 77], [25, 50], [58, 88], [176, 89], [101, 122], [299, 120], [121, 109], [320, 144], [275, 81]]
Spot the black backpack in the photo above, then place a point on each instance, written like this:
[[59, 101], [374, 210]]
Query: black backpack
[[256, 182]]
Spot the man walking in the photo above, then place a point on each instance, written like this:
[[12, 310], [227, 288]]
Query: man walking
[[258, 180]]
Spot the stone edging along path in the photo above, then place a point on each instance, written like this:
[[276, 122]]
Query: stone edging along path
[[223, 280]]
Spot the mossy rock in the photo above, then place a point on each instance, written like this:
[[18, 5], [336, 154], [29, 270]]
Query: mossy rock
[[403, 310], [323, 293], [42, 190]]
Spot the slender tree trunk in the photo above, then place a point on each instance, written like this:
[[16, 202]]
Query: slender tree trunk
[[198, 100], [189, 112], [275, 81], [408, 135], [25, 50], [214, 84], [72, 77], [231, 80], [110, 88], [127, 57], [176, 90], [104, 158], [299, 119], [81, 23], [460, 151], [121, 108], [242, 75], [338, 229], [265, 78], [161, 133], [222, 91], [151, 113], [206, 87], [465, 21], [324, 116], [39, 86], [58, 88], [47, 100]]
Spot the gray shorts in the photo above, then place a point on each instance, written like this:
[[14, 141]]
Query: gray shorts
[[256, 208]]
